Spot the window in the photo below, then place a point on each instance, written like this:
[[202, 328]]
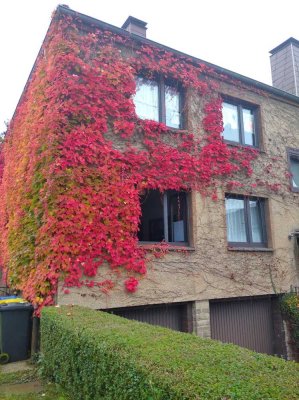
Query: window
[[245, 221], [158, 101], [164, 217], [293, 156], [240, 123]]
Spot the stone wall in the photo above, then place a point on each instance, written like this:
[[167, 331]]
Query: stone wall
[[201, 318], [209, 269]]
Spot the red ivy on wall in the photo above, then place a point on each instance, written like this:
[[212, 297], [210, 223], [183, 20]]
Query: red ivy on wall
[[77, 157]]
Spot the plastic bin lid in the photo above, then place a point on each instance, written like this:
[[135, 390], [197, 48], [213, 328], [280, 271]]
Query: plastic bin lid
[[8, 300], [15, 307]]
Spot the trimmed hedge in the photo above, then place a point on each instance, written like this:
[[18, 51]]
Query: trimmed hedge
[[96, 355]]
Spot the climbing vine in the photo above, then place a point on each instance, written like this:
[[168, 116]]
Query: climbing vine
[[77, 158], [289, 304]]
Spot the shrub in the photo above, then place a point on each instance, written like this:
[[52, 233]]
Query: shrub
[[96, 355], [290, 308]]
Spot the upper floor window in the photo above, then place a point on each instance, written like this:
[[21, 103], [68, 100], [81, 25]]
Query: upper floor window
[[245, 221], [164, 216], [293, 156], [158, 101], [240, 123]]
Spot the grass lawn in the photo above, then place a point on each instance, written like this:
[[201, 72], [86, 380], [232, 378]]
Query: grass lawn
[[25, 385]]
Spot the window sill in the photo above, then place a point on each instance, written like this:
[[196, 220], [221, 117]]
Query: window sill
[[169, 129], [244, 146], [166, 246], [180, 131], [251, 249]]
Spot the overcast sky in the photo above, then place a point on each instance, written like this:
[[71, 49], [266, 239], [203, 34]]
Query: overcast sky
[[233, 34]]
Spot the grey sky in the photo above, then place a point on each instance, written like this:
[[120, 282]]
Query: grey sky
[[234, 34]]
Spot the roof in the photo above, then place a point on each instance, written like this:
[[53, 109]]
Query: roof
[[249, 81], [64, 9]]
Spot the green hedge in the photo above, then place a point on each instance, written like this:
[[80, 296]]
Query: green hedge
[[289, 304], [95, 355]]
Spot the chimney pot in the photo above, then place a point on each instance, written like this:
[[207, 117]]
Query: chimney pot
[[136, 26]]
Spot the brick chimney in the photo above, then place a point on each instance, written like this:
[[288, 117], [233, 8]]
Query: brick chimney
[[285, 66], [136, 26]]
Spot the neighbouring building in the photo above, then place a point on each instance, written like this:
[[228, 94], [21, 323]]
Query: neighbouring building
[[143, 181]]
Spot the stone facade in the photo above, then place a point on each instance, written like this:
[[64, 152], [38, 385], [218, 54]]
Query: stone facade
[[208, 268], [201, 318]]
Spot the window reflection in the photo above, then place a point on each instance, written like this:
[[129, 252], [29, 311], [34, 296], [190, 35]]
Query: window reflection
[[245, 220], [256, 221], [157, 101], [172, 107], [235, 218], [295, 171], [239, 124], [248, 124], [230, 122], [146, 99]]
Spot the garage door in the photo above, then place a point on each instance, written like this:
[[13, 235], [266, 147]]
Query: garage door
[[247, 323], [172, 316]]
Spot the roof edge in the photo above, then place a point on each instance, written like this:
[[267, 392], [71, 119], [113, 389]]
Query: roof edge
[[249, 81]]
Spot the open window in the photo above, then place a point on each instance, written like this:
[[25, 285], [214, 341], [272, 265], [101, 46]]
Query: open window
[[164, 216]]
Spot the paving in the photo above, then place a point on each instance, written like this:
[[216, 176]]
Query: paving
[[16, 367], [19, 388]]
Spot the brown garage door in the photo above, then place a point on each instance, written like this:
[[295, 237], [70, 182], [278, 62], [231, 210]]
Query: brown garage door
[[172, 316], [247, 323]]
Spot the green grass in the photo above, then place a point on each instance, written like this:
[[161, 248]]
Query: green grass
[[96, 355]]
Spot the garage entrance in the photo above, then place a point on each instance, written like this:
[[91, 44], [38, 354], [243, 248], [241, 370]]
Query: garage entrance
[[172, 316], [253, 322]]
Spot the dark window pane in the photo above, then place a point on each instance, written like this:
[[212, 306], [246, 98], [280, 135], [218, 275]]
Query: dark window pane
[[172, 107], [248, 125], [163, 217], [230, 122], [146, 99], [151, 228], [256, 221], [235, 220], [177, 217], [295, 171]]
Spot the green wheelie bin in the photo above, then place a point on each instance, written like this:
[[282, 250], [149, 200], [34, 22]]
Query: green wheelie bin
[[15, 331]]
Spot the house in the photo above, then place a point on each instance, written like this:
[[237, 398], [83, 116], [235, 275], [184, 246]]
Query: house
[[146, 182]]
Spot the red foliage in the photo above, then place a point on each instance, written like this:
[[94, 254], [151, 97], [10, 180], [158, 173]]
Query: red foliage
[[73, 201], [131, 284]]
